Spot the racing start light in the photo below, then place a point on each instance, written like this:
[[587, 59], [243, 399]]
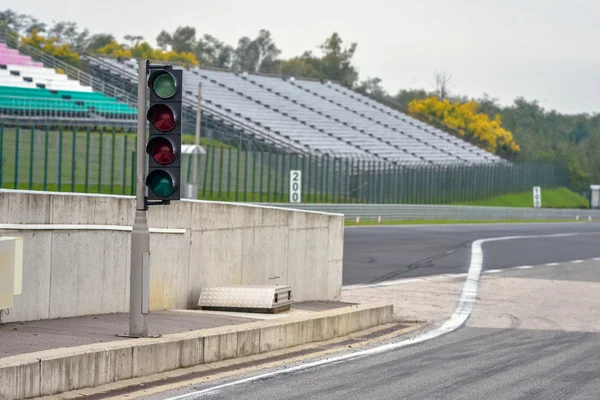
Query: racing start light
[[164, 144]]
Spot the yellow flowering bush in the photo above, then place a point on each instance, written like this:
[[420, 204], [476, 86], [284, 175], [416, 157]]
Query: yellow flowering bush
[[50, 46], [144, 50], [468, 121]]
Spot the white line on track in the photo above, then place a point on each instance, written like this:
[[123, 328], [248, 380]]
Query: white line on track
[[442, 276], [463, 311], [551, 264]]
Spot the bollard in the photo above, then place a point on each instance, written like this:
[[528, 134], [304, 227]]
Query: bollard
[[379, 220], [357, 220], [577, 218], [590, 218]]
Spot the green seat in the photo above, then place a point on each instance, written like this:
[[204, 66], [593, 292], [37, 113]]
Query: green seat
[[36, 99]]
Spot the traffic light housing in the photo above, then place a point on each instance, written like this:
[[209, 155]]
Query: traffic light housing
[[164, 144]]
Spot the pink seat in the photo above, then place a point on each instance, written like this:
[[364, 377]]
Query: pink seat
[[18, 60]]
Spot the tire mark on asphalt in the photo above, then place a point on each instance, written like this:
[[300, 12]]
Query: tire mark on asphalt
[[427, 262]]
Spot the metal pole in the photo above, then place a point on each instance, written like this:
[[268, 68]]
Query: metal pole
[[194, 185], [140, 235]]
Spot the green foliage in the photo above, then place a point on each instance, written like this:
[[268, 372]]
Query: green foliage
[[551, 198]]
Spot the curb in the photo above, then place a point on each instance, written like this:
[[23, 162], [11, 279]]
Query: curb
[[60, 370]]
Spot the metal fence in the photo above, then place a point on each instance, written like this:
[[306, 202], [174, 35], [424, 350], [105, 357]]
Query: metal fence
[[83, 160]]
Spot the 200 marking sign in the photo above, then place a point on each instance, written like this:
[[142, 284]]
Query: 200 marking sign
[[537, 197], [295, 186]]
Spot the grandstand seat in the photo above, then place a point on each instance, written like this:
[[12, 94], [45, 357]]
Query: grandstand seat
[[29, 89], [324, 118], [11, 56]]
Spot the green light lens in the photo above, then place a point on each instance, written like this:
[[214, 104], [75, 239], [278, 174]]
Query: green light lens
[[164, 86], [162, 184]]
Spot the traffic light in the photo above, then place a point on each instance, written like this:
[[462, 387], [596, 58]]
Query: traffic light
[[164, 145]]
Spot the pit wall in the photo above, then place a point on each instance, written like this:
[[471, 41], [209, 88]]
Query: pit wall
[[77, 251]]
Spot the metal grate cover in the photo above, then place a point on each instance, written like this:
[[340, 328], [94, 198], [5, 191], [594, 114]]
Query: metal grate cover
[[253, 298]]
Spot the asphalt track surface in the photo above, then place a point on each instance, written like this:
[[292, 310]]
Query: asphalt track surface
[[473, 362], [380, 253]]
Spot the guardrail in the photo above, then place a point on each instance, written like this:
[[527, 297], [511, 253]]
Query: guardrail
[[433, 212]]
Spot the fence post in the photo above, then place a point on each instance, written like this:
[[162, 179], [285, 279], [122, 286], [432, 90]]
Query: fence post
[[87, 157], [1, 154], [17, 140], [333, 179], [100, 148], [246, 169], [207, 155], [31, 157], [254, 153], [213, 160], [269, 171], [237, 174], [73, 159], [124, 181], [133, 171], [221, 159], [309, 171], [112, 161], [60, 158], [228, 173], [46, 145]]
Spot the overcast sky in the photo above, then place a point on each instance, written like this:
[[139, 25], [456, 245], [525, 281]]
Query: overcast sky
[[547, 50]]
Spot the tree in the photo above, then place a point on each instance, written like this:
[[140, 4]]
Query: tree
[[212, 52], [163, 40], [183, 40], [258, 55], [144, 50], [442, 84], [12, 20], [303, 66], [133, 39], [52, 47], [66, 32], [336, 63], [32, 24], [373, 88], [405, 96], [99, 40]]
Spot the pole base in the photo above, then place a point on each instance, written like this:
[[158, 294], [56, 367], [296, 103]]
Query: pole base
[[190, 191]]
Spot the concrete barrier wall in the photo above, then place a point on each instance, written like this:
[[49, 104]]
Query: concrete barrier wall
[[80, 269]]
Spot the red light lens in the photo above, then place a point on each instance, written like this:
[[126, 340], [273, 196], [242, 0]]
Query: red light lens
[[161, 149], [163, 118]]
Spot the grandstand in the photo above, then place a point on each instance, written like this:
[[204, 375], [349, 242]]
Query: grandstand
[[307, 116], [28, 90], [292, 115]]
